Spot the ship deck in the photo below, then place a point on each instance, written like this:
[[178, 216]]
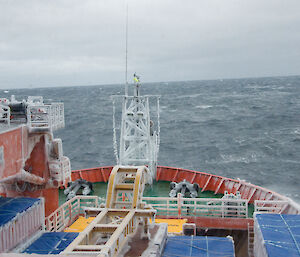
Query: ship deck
[[157, 189]]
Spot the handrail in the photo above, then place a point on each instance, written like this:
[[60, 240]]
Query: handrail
[[67, 213], [270, 206], [206, 181], [4, 114], [46, 116], [179, 207], [199, 207], [60, 170]]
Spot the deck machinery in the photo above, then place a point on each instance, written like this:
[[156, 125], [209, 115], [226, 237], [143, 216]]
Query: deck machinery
[[109, 232]]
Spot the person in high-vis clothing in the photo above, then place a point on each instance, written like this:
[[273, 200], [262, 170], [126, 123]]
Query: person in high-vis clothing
[[136, 78]]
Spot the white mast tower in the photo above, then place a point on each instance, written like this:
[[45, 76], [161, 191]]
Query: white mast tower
[[139, 143], [139, 137]]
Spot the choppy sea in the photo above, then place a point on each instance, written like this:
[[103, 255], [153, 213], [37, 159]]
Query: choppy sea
[[238, 128]]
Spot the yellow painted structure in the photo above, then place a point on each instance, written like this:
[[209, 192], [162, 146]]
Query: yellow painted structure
[[119, 219], [174, 225], [80, 224]]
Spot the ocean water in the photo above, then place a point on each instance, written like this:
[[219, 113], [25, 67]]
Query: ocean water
[[239, 128]]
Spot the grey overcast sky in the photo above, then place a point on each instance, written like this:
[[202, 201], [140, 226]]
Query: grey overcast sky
[[75, 42]]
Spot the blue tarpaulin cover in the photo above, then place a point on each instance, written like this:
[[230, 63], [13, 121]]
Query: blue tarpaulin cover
[[51, 243], [281, 234], [10, 207], [199, 246]]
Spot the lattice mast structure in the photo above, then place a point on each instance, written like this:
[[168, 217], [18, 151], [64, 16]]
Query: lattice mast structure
[[139, 143]]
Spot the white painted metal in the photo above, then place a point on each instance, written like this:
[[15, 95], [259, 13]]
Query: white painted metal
[[115, 143], [259, 249], [199, 207], [270, 206], [226, 204], [37, 114], [22, 227], [67, 213], [4, 114], [138, 140], [104, 224], [47, 116], [178, 206], [60, 170]]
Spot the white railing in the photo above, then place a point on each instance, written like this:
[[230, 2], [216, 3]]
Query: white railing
[[66, 168], [47, 116], [4, 114], [199, 207], [57, 116], [60, 170], [67, 213], [22, 227], [270, 206]]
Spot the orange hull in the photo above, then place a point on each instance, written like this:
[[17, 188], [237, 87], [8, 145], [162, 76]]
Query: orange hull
[[206, 181]]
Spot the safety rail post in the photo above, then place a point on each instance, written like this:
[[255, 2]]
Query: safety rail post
[[179, 204], [64, 217], [78, 206], [223, 214], [168, 207]]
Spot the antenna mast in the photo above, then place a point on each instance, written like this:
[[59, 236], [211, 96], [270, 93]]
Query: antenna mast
[[126, 52]]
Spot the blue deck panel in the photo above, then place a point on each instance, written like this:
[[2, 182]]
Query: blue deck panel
[[200, 246], [281, 234], [11, 207], [51, 243]]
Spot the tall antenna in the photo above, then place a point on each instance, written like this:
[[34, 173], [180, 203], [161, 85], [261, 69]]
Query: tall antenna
[[126, 52]]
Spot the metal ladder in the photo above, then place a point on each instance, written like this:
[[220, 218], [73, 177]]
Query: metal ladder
[[250, 240], [109, 232], [126, 186]]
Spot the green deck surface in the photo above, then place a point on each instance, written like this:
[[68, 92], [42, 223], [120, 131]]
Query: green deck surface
[[158, 189]]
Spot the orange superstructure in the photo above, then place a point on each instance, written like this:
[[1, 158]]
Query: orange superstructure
[[25, 166], [31, 160]]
